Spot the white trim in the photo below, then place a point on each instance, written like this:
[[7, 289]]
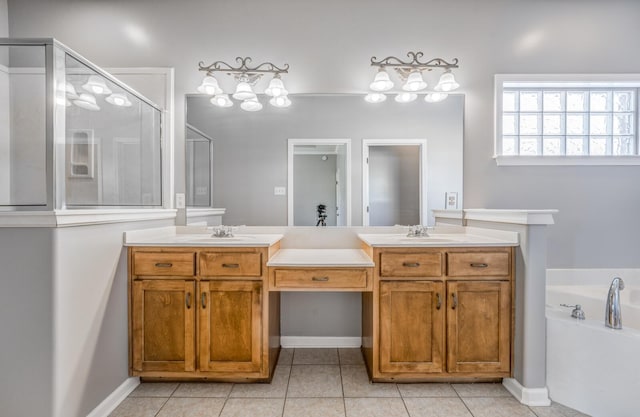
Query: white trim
[[115, 398], [534, 397], [290, 153], [422, 144], [528, 217], [320, 342], [66, 218], [515, 160], [193, 212], [447, 214], [4, 68]]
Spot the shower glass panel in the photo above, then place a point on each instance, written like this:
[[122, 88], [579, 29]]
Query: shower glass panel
[[199, 166]]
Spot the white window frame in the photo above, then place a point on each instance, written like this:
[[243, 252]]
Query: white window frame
[[561, 81]]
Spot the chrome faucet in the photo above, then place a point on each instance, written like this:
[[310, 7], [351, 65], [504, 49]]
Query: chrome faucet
[[613, 313]]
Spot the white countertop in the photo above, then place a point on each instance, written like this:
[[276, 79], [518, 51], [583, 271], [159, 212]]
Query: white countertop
[[321, 258], [190, 236], [469, 238]]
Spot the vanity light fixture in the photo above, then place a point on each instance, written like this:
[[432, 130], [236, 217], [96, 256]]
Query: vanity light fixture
[[96, 85], [246, 77], [411, 74], [86, 101], [120, 100]]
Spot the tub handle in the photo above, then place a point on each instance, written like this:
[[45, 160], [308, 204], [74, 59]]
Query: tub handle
[[455, 301], [577, 312]]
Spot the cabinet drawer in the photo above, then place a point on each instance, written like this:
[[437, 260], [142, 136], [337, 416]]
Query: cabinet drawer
[[403, 265], [230, 264], [321, 278], [478, 264], [164, 263]]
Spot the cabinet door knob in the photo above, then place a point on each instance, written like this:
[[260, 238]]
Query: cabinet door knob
[[455, 301], [188, 301], [479, 265], [411, 264], [320, 279], [203, 300], [231, 265], [438, 301], [164, 265]]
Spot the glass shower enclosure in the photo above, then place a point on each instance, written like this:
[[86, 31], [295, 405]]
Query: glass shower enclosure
[[71, 135]]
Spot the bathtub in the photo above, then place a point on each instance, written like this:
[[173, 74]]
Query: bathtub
[[592, 368]]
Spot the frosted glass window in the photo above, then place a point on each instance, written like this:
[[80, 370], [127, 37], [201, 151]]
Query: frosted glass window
[[509, 144], [552, 146], [529, 146]]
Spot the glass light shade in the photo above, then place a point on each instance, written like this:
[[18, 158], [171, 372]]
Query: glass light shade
[[406, 97], [280, 101], [251, 104], [375, 98], [68, 89], [221, 100], [118, 99], [96, 85], [209, 86], [61, 99], [244, 91], [276, 88], [87, 102], [414, 82], [381, 82], [447, 82], [435, 97]]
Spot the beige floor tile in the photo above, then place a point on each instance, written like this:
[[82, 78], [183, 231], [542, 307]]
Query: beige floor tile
[[314, 407], [556, 410], [427, 390], [192, 407], [315, 381], [497, 407], [481, 390], [203, 389], [375, 407], [276, 389], [286, 356], [436, 407], [253, 407], [355, 383], [350, 356], [316, 357], [154, 389], [138, 407]]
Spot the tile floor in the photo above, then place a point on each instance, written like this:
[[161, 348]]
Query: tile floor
[[327, 383]]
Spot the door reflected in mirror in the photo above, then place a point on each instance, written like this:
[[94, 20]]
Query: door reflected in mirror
[[199, 168]]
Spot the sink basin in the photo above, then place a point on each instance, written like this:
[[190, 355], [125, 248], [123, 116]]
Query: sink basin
[[424, 240]]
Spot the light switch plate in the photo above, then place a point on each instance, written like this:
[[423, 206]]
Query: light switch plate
[[279, 190], [180, 202]]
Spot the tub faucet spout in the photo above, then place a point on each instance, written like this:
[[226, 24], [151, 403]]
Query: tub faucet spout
[[613, 313]]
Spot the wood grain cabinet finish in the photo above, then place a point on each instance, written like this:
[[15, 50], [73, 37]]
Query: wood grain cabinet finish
[[320, 279], [454, 323], [205, 316]]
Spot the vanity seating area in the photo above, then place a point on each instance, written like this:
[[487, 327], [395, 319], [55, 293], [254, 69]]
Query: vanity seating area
[[437, 308]]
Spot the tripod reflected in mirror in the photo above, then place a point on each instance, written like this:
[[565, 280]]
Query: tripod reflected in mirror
[[322, 215]]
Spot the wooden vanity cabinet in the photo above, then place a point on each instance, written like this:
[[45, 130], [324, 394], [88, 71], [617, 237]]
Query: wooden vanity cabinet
[[452, 323], [202, 313]]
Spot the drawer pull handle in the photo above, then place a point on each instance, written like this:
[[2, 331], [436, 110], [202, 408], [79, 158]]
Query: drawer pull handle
[[455, 301], [188, 301], [438, 301], [231, 265], [164, 265], [203, 300], [320, 279], [411, 264], [479, 265]]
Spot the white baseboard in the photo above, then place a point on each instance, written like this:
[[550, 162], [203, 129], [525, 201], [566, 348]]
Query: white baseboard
[[320, 342], [528, 396], [115, 398]]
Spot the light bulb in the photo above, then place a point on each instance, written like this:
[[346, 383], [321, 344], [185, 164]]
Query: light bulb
[[406, 97], [381, 81], [447, 82], [209, 86], [251, 104], [435, 97], [414, 82], [96, 85], [375, 98], [244, 91], [276, 87], [118, 99], [221, 100], [280, 101]]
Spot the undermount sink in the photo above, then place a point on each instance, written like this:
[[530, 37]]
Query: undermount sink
[[424, 239]]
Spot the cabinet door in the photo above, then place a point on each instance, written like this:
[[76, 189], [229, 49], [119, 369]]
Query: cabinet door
[[411, 326], [230, 326], [163, 325], [479, 326]]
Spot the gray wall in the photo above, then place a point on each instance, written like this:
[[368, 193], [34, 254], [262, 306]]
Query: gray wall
[[314, 183], [4, 18], [489, 37]]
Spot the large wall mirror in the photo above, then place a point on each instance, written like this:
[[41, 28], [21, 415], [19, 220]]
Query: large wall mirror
[[199, 167], [250, 166]]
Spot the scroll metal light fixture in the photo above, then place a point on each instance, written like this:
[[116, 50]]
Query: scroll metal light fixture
[[246, 77], [410, 73]]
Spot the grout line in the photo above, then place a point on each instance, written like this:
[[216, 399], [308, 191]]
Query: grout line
[[160, 409]]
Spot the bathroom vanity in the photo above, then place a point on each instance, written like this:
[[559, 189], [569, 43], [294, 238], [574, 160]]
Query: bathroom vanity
[[433, 308]]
